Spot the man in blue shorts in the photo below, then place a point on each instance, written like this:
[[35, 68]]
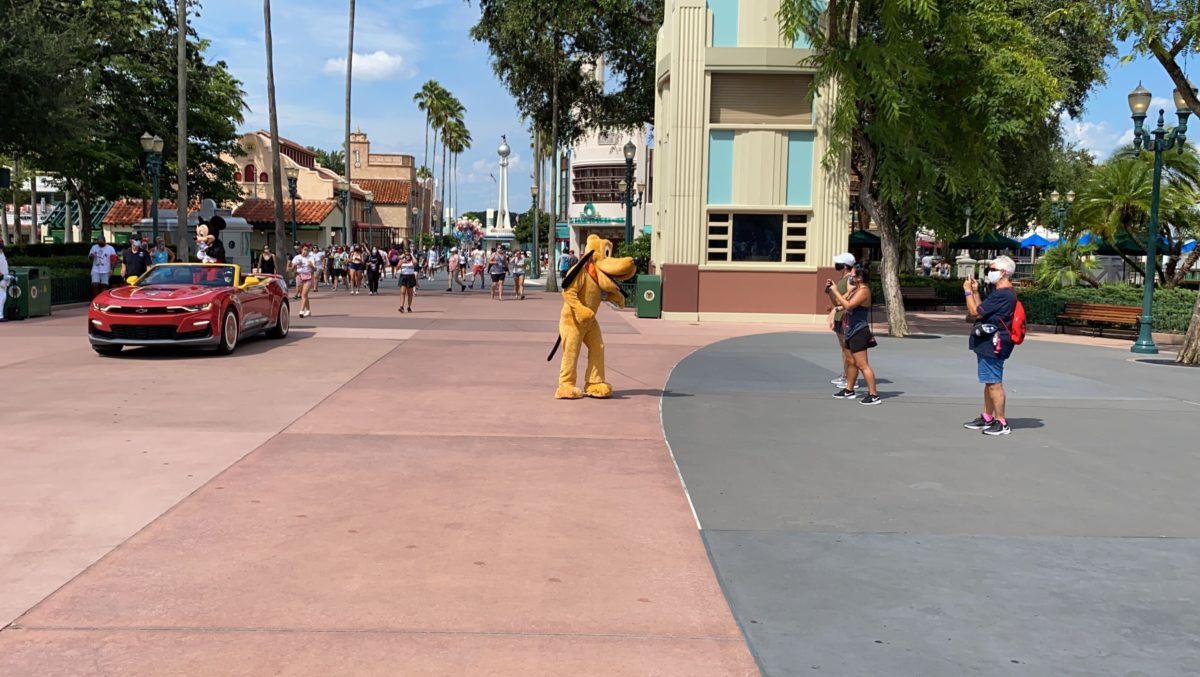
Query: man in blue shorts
[[991, 341]]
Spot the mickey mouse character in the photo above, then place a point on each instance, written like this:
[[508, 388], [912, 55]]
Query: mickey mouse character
[[212, 249]]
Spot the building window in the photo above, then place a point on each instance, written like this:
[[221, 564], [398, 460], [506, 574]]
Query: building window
[[757, 238], [760, 98], [724, 22], [263, 178], [250, 173], [237, 176], [597, 184]]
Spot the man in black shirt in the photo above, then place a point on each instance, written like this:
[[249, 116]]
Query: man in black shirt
[[134, 260], [992, 344]]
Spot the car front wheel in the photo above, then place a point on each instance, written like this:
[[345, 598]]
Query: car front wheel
[[282, 322], [229, 333]]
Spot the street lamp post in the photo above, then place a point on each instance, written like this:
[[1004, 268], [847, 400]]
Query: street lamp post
[[343, 193], [1061, 210], [370, 226], [537, 255], [1158, 140], [153, 145], [626, 188], [293, 174]]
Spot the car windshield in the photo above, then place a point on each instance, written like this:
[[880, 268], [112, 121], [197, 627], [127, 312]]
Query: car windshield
[[200, 275]]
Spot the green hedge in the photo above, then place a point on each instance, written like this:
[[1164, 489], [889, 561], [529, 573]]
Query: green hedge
[[79, 249], [53, 262], [1172, 307], [951, 290]]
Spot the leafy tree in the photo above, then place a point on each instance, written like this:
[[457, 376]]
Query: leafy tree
[[928, 94], [639, 249], [1167, 30], [426, 100], [523, 227], [333, 160]]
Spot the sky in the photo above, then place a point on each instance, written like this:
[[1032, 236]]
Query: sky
[[401, 44]]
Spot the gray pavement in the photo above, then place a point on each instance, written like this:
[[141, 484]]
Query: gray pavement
[[888, 540]]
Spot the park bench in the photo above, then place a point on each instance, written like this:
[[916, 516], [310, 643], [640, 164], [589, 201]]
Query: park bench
[[1097, 315], [922, 296]]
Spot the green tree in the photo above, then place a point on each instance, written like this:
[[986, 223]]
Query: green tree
[[1066, 265], [523, 227], [333, 160], [927, 95], [426, 100], [1167, 30]]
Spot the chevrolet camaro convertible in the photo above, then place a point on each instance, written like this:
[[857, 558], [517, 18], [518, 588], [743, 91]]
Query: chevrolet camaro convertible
[[189, 304]]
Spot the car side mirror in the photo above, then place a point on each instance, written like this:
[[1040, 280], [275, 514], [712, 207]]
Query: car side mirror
[[131, 280], [250, 282]]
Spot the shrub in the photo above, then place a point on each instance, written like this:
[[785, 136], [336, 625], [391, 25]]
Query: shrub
[[1171, 312], [951, 290]]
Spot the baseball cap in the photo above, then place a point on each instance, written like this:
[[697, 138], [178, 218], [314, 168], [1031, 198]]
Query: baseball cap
[[846, 259]]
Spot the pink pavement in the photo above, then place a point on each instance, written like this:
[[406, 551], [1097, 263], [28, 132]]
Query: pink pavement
[[379, 494]]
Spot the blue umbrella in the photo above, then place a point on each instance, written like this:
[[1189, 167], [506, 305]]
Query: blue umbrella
[[1035, 240], [1189, 246]]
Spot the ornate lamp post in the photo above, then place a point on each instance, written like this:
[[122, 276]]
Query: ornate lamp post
[[293, 174], [343, 195], [1061, 210], [537, 256], [370, 226], [1158, 140], [626, 187], [502, 222], [152, 146]]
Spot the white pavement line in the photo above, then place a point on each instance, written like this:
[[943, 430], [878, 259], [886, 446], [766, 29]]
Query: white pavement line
[[1196, 404], [663, 428]]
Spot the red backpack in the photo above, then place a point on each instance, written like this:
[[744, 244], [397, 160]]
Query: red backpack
[[1017, 330]]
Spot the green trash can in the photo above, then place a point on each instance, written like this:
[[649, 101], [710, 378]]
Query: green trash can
[[29, 293], [649, 296]]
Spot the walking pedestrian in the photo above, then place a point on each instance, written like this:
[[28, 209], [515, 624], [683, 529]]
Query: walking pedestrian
[[376, 264], [844, 264], [856, 330], [266, 261], [992, 341], [497, 268], [477, 257], [454, 269], [431, 263], [517, 267], [102, 256], [160, 253], [408, 281], [303, 265], [393, 258], [340, 262]]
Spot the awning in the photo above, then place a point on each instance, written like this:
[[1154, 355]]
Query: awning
[[1035, 240], [864, 240], [985, 241], [1189, 246]]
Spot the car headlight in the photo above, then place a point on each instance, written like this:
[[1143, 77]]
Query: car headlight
[[196, 308], [103, 307]]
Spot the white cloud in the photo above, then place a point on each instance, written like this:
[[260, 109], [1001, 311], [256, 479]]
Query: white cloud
[[1099, 138], [378, 65], [1161, 103]]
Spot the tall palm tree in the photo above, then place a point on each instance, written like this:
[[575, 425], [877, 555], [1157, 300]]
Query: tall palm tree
[[349, 80], [426, 100], [181, 200], [447, 109], [457, 140], [276, 163]]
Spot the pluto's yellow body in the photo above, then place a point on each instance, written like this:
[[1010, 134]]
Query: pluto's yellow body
[[593, 281]]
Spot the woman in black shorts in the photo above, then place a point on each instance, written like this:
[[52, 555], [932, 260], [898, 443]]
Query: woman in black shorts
[[856, 327], [498, 268], [408, 280]]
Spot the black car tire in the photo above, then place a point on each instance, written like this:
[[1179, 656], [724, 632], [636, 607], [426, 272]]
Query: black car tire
[[283, 322], [228, 340], [106, 350]]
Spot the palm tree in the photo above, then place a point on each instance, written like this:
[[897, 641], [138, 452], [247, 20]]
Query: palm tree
[[276, 164], [181, 201], [1066, 265], [349, 80], [457, 140], [1116, 199], [426, 99], [448, 111]]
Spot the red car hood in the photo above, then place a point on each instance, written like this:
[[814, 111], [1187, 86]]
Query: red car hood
[[164, 292]]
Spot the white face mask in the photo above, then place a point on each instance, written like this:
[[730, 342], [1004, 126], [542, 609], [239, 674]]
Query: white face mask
[[993, 276]]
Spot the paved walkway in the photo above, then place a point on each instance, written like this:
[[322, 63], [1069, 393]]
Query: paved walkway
[[386, 494], [888, 540], [379, 494]]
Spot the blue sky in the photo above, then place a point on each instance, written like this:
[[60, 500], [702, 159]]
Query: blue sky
[[400, 45]]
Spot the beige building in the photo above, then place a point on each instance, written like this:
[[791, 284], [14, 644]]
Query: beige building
[[746, 220]]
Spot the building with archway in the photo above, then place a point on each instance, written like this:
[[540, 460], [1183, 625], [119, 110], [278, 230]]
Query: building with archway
[[748, 218]]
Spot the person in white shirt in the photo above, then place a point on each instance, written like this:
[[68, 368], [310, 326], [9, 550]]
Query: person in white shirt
[[318, 257], [5, 280], [101, 255], [927, 265], [477, 256], [304, 265], [431, 266]]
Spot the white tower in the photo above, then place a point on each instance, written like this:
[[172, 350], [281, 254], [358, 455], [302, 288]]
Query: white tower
[[502, 222]]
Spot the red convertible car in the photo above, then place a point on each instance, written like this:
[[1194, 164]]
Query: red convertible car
[[188, 304]]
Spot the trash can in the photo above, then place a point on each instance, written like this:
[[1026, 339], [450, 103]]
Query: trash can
[[29, 293], [649, 296]]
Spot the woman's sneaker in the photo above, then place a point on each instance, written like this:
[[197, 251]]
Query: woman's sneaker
[[845, 395], [978, 424], [839, 382], [871, 399], [997, 428]]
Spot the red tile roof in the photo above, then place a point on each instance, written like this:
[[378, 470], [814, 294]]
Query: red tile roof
[[387, 191], [308, 212], [129, 212]]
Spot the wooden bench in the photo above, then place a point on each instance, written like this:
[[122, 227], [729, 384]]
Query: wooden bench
[[927, 296], [1098, 315]]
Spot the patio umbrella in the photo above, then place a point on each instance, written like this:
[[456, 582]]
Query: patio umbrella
[[865, 240], [1189, 246], [1035, 240], [985, 241]]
